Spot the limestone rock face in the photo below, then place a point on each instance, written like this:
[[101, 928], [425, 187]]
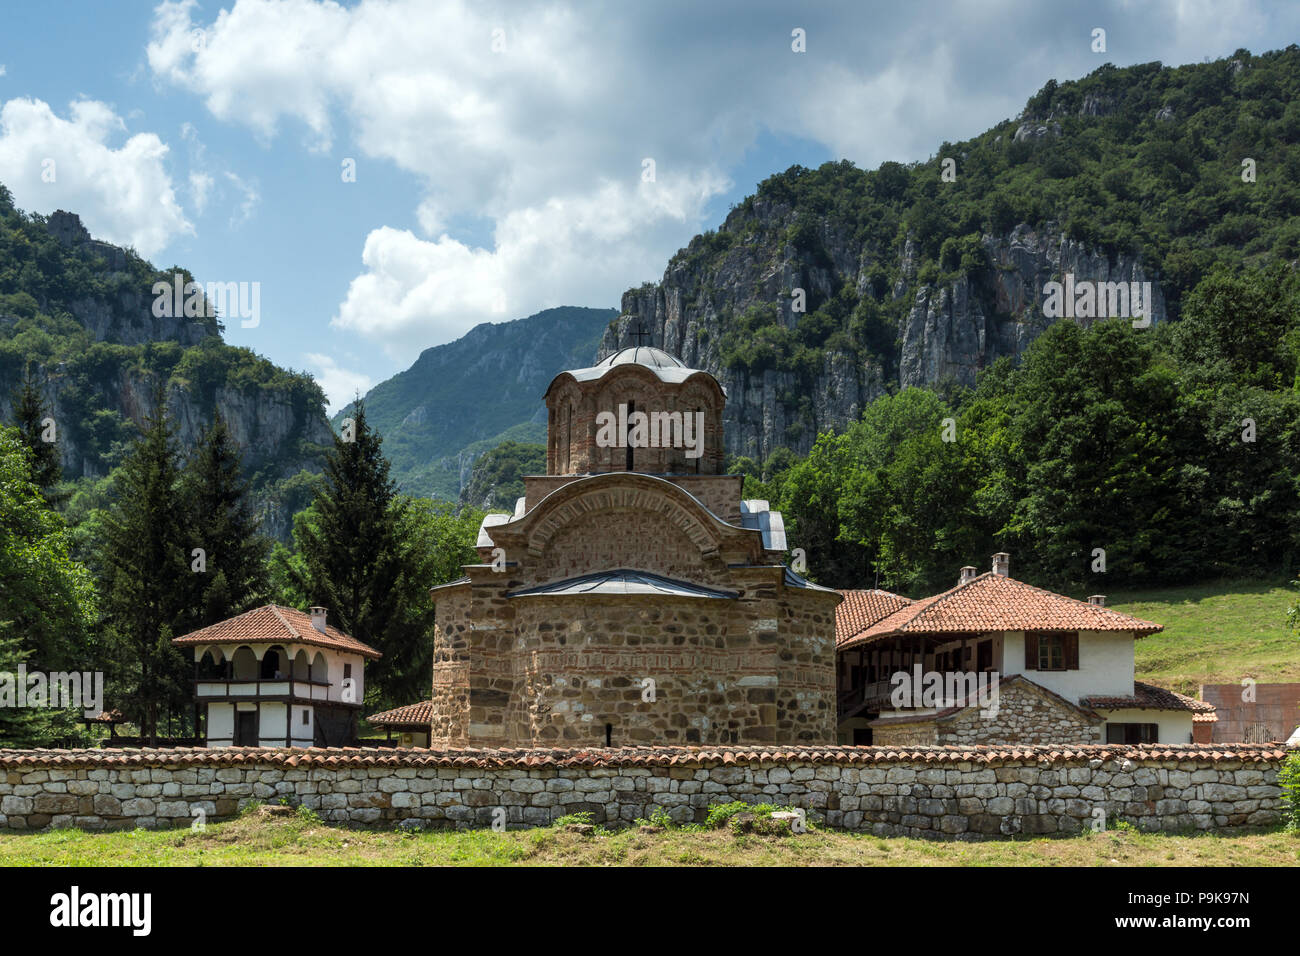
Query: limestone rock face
[[953, 332], [126, 317], [94, 404], [950, 330]]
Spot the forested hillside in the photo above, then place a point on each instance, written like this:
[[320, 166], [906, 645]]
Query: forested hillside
[[913, 277], [76, 317], [463, 398]]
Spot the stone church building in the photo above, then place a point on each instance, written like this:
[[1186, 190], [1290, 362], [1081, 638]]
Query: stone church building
[[632, 597]]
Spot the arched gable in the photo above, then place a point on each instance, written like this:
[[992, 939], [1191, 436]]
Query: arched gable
[[620, 492]]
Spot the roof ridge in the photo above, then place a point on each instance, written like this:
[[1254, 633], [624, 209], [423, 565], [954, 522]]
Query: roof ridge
[[276, 609]]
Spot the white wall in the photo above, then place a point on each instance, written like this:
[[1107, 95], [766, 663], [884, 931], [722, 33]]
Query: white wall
[[335, 662], [304, 734], [1105, 665], [221, 722], [270, 729], [1175, 726]]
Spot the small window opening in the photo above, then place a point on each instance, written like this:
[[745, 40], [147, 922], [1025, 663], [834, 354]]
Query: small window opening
[[609, 735]]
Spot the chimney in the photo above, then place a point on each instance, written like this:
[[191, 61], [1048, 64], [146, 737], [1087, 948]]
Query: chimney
[[1097, 599], [318, 618], [1002, 563], [967, 574]]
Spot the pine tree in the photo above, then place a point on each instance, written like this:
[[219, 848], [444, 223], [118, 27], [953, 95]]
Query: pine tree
[[35, 427], [144, 553], [355, 558], [231, 577]]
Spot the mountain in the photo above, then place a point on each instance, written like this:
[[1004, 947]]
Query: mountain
[[463, 398], [80, 314], [928, 273]]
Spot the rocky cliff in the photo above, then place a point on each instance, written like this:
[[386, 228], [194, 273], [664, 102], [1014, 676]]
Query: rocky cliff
[[948, 331], [79, 313]]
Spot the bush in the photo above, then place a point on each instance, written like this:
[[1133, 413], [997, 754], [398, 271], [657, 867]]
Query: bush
[[1289, 779]]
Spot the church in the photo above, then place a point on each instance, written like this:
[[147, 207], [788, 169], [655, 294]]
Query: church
[[633, 597]]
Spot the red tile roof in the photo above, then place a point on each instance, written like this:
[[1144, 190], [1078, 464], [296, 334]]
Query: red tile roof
[[861, 609], [995, 602], [277, 625], [525, 759], [1150, 697], [420, 714]]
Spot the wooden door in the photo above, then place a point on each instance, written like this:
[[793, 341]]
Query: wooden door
[[245, 728]]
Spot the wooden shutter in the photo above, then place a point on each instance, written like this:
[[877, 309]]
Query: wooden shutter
[[1070, 649], [1031, 651]]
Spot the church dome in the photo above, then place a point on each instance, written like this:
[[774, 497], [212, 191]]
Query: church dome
[[646, 355], [668, 368]]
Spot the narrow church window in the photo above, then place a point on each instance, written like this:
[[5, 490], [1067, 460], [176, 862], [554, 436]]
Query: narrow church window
[[609, 735]]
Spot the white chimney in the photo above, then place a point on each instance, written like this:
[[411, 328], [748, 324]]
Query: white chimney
[[318, 619], [967, 574], [1098, 599], [1002, 563]]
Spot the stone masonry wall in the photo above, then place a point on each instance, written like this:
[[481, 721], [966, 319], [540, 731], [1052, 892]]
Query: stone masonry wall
[[948, 793], [1025, 715]]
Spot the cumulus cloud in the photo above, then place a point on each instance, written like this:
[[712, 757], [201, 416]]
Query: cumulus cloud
[[340, 385], [123, 194], [539, 118]]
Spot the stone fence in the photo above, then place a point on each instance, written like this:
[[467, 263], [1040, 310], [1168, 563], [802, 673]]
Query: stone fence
[[945, 792]]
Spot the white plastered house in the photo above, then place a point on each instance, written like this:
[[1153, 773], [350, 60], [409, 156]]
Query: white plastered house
[[1063, 669], [277, 677]]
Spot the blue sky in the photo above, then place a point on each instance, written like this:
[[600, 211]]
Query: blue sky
[[500, 147]]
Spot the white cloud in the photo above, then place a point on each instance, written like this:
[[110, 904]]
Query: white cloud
[[124, 194], [2, 69], [200, 188], [340, 385], [545, 138], [249, 198]]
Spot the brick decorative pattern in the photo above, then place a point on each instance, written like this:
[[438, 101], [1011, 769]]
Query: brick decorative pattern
[[947, 793], [572, 408]]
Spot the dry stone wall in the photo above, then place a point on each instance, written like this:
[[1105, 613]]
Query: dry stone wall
[[949, 793]]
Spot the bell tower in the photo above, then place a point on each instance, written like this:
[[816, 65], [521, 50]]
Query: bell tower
[[638, 410]]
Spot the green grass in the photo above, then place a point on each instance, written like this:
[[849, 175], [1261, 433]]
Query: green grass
[[1215, 634], [252, 841]]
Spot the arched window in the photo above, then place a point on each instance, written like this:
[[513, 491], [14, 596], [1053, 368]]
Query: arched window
[[273, 665]]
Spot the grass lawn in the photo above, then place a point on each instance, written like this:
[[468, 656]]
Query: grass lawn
[[253, 841], [1215, 634]]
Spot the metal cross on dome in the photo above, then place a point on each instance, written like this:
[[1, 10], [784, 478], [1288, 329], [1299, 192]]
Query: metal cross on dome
[[639, 334]]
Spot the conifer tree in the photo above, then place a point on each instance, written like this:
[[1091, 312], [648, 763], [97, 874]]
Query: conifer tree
[[229, 577], [145, 557], [30, 416], [355, 557]]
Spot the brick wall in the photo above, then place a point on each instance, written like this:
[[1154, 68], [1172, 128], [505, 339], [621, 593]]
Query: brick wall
[[950, 793]]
